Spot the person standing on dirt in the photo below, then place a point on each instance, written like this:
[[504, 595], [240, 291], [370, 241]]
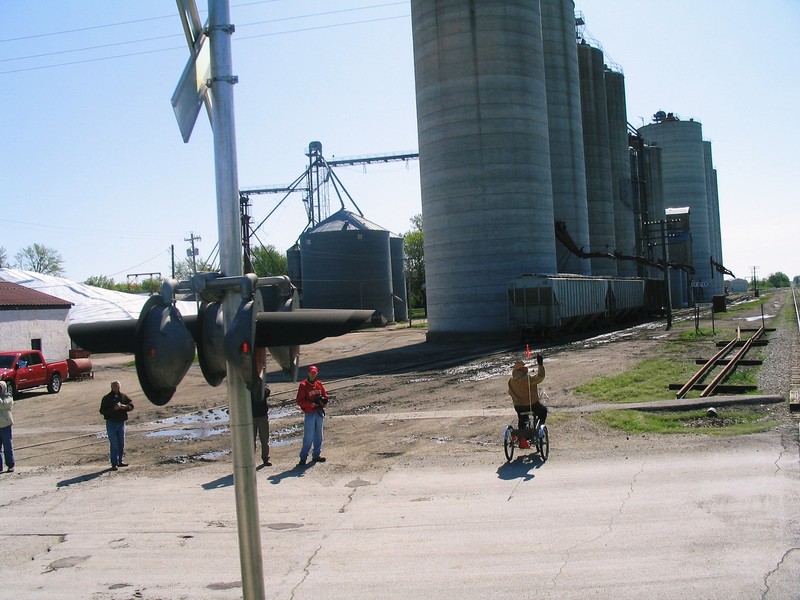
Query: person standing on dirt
[[115, 407], [312, 400], [524, 391], [261, 426], [6, 421]]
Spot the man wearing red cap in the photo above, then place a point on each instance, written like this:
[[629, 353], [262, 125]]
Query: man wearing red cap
[[312, 399]]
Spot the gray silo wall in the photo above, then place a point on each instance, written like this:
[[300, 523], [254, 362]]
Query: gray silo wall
[[566, 130], [714, 229], [487, 199], [684, 177], [599, 189], [620, 171], [653, 205], [347, 269], [399, 295]]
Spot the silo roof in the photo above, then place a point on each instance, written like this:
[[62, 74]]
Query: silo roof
[[344, 220]]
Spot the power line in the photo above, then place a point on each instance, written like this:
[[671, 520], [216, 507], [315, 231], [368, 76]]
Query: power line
[[108, 25], [143, 52]]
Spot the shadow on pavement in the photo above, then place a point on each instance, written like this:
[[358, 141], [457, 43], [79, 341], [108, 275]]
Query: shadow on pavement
[[219, 483], [296, 471], [520, 467], [81, 478]]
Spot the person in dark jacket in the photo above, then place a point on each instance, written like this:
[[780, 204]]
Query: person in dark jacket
[[312, 400], [261, 426], [115, 407]]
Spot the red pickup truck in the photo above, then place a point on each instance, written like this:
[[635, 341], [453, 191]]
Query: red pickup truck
[[25, 369]]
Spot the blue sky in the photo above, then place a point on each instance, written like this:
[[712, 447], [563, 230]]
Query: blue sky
[[93, 164]]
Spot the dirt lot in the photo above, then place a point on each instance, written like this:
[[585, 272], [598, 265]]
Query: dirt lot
[[396, 399]]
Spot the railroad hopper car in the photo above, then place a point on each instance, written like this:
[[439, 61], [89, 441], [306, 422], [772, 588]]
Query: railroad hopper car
[[546, 304]]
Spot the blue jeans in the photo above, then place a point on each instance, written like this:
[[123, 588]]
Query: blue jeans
[[8, 449], [116, 439], [312, 434]]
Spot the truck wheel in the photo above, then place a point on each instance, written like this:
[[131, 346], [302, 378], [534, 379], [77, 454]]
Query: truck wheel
[[12, 390], [55, 384]]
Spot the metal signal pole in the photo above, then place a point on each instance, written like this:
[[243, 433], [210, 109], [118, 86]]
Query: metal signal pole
[[230, 242]]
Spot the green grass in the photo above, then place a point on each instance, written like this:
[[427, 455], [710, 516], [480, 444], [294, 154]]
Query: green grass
[[733, 421], [647, 381]]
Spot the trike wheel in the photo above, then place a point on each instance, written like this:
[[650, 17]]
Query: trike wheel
[[508, 442], [543, 444]]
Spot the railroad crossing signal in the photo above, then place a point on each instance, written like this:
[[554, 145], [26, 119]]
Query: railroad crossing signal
[[164, 349]]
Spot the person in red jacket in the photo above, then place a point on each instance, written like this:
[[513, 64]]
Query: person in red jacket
[[312, 399]]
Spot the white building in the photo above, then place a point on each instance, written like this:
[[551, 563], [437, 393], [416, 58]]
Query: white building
[[33, 320]]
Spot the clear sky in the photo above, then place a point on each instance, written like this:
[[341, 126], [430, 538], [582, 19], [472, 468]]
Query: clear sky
[[93, 164]]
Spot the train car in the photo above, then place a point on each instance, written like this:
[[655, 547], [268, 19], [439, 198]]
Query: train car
[[546, 304]]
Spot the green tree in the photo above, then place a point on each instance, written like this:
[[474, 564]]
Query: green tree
[[40, 259], [101, 281], [778, 280], [184, 269], [796, 280], [268, 261], [413, 247]]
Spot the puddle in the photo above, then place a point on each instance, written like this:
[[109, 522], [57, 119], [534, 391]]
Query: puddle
[[212, 456], [215, 414], [182, 435]]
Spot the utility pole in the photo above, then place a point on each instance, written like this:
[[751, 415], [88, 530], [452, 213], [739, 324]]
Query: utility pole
[[755, 282], [192, 253], [665, 257]]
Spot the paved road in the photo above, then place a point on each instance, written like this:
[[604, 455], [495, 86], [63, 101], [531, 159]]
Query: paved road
[[721, 522]]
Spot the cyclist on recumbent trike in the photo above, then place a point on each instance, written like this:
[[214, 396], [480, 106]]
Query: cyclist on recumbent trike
[[523, 388]]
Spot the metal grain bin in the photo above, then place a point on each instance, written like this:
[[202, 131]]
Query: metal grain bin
[[399, 295], [346, 263]]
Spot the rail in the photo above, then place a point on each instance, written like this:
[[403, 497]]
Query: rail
[[726, 371], [732, 364]]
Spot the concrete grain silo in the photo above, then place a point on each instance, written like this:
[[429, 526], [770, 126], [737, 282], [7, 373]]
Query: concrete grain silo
[[649, 191], [620, 171], [346, 263], [684, 177], [599, 189], [566, 130], [715, 230], [487, 200]]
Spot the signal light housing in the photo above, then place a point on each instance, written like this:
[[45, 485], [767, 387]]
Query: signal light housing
[[210, 339], [164, 350], [240, 347]]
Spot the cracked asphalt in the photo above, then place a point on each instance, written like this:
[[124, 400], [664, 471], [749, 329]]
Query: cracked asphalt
[[416, 499]]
